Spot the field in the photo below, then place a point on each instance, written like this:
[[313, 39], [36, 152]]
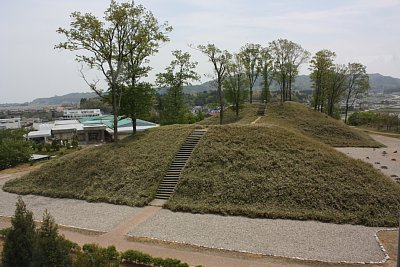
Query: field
[[125, 173], [271, 172]]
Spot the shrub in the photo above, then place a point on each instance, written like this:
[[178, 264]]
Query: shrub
[[133, 256], [19, 240]]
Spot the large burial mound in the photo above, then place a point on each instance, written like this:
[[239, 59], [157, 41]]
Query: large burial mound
[[281, 167]]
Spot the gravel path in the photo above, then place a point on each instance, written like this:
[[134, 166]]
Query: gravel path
[[386, 159], [287, 238], [70, 212]]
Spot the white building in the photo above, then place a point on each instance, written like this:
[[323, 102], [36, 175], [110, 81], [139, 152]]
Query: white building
[[13, 123], [81, 113]]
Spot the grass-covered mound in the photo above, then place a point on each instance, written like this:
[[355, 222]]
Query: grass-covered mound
[[128, 172], [246, 115], [316, 125], [261, 171]]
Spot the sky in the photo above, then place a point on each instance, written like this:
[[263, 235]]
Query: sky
[[364, 31]]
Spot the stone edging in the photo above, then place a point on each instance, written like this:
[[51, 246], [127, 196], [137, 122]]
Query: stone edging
[[155, 240]]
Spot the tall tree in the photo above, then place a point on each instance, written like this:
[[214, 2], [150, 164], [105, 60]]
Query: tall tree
[[18, 244], [336, 87], [266, 74], [220, 61], [137, 102], [358, 84], [126, 32], [251, 57], [236, 83], [321, 65], [50, 249], [287, 57], [180, 72]]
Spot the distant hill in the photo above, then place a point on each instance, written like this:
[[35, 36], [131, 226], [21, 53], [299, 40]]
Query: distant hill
[[378, 83], [72, 98]]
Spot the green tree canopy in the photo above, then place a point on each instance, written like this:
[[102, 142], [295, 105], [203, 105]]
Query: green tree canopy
[[118, 46], [180, 72]]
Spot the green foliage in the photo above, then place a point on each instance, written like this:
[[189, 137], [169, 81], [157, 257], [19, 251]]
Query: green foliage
[[128, 173], [95, 103], [19, 240], [118, 46], [180, 72], [379, 120], [235, 84], [14, 149], [132, 256], [137, 102], [50, 249], [220, 60], [274, 172], [94, 255]]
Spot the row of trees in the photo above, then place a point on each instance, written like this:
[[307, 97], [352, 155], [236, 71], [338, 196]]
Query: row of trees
[[120, 44], [335, 82]]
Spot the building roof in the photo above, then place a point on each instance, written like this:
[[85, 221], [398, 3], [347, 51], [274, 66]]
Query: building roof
[[37, 134], [122, 122]]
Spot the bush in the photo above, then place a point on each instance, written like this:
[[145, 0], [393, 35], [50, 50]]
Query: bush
[[133, 256], [14, 149], [50, 249], [19, 240]]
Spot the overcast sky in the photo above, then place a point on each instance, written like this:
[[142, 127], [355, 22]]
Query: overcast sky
[[365, 31]]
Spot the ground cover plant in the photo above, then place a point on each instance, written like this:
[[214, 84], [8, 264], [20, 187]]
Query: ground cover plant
[[271, 172], [246, 115], [127, 172], [316, 125]]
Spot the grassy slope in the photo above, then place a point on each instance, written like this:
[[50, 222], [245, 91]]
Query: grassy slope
[[262, 171], [316, 125], [125, 173], [246, 116]]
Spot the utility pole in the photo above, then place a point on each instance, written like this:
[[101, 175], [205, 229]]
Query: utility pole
[[398, 245]]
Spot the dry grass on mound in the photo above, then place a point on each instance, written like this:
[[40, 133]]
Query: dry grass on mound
[[128, 172], [316, 125], [270, 172]]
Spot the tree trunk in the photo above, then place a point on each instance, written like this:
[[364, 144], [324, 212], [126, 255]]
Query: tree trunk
[[133, 118], [221, 104], [251, 94], [347, 107], [115, 124]]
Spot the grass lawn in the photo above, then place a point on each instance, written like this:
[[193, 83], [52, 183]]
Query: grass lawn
[[271, 172], [128, 172]]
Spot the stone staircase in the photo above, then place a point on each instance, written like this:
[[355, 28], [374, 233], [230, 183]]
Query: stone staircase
[[170, 180], [261, 109]]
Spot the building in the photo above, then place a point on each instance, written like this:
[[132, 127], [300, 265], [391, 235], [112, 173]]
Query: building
[[81, 113], [12, 123], [87, 130]]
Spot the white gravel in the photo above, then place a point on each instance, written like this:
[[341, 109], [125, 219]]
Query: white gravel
[[296, 239], [69, 212], [385, 159]]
